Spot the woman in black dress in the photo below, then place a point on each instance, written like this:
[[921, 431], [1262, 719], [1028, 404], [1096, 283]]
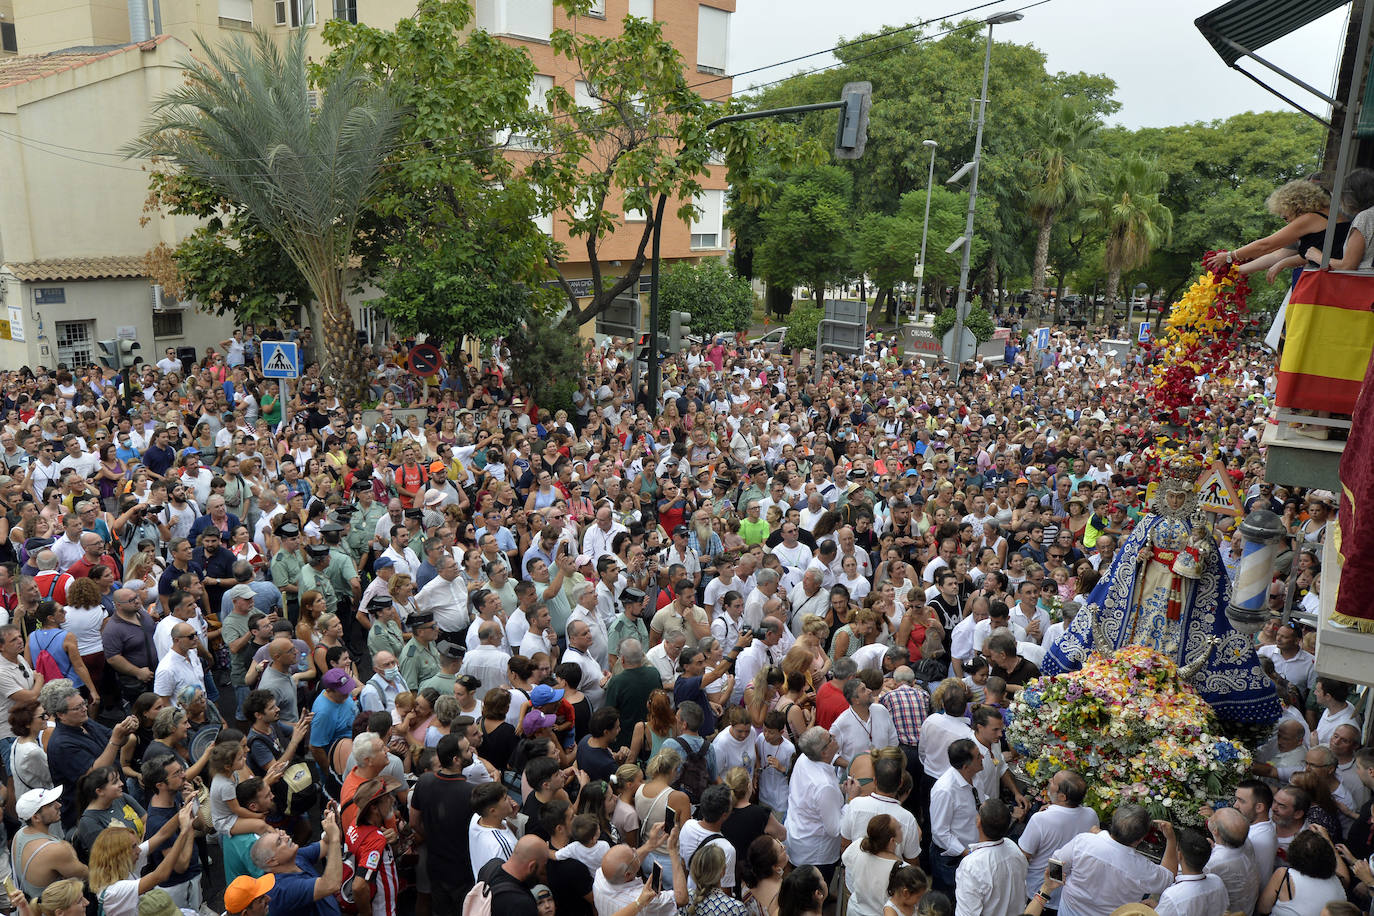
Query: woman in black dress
[[747, 820]]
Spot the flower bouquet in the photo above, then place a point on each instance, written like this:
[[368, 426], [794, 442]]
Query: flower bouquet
[[1134, 730]]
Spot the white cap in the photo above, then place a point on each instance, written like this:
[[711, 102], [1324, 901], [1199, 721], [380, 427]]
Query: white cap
[[35, 800]]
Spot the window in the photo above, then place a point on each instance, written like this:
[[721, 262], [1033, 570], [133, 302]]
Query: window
[[707, 228], [8, 40], [520, 18], [635, 216], [346, 10], [582, 96], [167, 324], [537, 100], [644, 9], [75, 343], [598, 8], [713, 39], [295, 13], [237, 10], [544, 223]]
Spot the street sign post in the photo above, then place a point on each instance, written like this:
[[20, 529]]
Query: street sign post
[[1042, 338], [843, 330], [281, 359], [1144, 336], [620, 318], [424, 360]]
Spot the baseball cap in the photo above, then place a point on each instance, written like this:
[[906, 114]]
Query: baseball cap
[[535, 720], [540, 891], [244, 889], [382, 563], [190, 450], [543, 694], [436, 466], [35, 800], [241, 591], [371, 790], [337, 679]]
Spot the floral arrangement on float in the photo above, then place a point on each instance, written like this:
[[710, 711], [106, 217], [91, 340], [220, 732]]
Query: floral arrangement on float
[[1134, 729], [1200, 338]]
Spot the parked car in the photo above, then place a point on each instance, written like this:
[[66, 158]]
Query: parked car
[[772, 341]]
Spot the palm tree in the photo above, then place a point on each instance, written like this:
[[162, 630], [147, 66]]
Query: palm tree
[[1127, 208], [244, 124], [1067, 136]]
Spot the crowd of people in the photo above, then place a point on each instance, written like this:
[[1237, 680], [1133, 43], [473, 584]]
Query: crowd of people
[[617, 658]]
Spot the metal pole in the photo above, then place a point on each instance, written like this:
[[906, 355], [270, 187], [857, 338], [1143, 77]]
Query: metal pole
[[956, 349], [653, 308], [1347, 130], [925, 227]]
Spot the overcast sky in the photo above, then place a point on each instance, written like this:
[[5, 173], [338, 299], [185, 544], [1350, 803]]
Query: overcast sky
[[1165, 71]]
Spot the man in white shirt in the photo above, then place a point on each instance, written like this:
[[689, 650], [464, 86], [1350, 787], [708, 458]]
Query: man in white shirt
[[765, 589], [865, 726], [594, 677], [1291, 661], [815, 803], [991, 879], [399, 552], [1232, 859], [181, 666], [988, 726], [489, 661], [715, 806], [1104, 870], [619, 883], [664, 656], [1055, 825], [1345, 742], [446, 597], [1194, 892], [809, 597], [792, 553], [1333, 695], [596, 543], [954, 804], [942, 728], [1253, 801], [887, 783]]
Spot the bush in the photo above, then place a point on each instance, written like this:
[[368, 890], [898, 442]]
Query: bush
[[979, 323], [717, 299], [802, 324]]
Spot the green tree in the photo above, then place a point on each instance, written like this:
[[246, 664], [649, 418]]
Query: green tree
[[718, 299], [450, 236], [1062, 156], [243, 125], [549, 359], [802, 324], [807, 231], [1127, 207], [642, 139]]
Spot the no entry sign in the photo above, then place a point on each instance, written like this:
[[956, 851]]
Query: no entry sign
[[425, 360]]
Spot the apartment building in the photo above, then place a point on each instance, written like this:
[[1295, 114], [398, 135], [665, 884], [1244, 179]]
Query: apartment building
[[77, 79]]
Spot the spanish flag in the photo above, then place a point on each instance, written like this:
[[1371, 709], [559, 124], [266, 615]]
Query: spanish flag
[[1330, 331]]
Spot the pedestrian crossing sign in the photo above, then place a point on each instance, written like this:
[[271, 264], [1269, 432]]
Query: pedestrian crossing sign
[[281, 359]]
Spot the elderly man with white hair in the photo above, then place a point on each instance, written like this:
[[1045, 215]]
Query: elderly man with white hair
[[765, 587], [488, 662], [810, 596], [446, 597], [619, 882], [664, 656], [815, 803]]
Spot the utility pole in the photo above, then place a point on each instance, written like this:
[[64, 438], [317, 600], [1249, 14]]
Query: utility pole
[[961, 307]]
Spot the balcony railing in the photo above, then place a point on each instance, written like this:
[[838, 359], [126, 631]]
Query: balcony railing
[[1342, 652]]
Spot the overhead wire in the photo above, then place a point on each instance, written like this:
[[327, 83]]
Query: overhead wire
[[51, 147]]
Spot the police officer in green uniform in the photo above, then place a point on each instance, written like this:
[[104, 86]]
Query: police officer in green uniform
[[450, 660], [420, 658], [414, 524], [313, 576], [286, 568], [362, 527], [343, 578]]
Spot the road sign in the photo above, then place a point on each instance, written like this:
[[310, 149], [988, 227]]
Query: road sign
[[281, 359], [1218, 494], [1042, 339], [1144, 336], [620, 318], [425, 360]]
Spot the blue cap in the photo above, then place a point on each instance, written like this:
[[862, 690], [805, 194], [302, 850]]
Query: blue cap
[[382, 563]]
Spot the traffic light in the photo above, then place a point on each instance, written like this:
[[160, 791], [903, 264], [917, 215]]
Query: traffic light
[[678, 329], [128, 353], [853, 132], [109, 354]]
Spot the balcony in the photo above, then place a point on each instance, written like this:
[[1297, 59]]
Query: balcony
[[1342, 652], [1293, 459]]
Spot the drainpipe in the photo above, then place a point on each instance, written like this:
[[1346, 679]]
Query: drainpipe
[[138, 21]]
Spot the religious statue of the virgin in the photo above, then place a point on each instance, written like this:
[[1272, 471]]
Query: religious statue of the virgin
[[1167, 589]]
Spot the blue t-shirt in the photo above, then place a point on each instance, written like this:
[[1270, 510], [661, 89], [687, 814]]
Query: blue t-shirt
[[293, 894], [332, 720]]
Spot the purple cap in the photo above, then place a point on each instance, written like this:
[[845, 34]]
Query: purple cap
[[338, 680], [535, 720]]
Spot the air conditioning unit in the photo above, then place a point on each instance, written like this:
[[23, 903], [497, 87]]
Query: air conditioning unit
[[162, 301]]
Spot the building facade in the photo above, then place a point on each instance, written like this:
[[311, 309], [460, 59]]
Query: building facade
[[74, 90]]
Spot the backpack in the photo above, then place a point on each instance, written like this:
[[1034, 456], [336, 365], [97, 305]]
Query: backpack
[[46, 665], [696, 771], [478, 900]]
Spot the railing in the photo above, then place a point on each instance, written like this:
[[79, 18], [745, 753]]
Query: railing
[[1342, 652]]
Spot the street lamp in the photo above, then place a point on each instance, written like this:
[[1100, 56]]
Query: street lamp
[[925, 227], [1140, 290], [956, 349]]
